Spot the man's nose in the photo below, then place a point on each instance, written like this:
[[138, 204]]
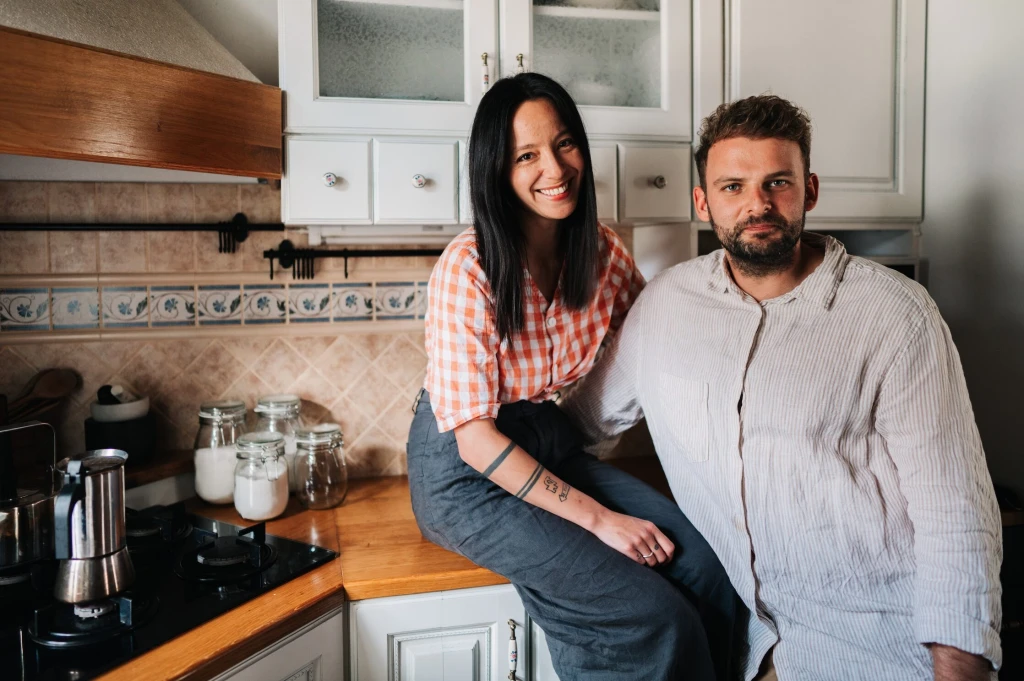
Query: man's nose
[[760, 201]]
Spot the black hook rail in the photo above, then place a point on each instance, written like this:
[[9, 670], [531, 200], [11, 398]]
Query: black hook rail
[[232, 232], [301, 259]]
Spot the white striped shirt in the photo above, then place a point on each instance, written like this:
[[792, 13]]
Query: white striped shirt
[[823, 442]]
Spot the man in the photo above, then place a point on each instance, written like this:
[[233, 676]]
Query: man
[[810, 412]]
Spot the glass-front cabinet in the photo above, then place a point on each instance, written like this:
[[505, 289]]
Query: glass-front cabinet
[[421, 66], [397, 66], [626, 62]]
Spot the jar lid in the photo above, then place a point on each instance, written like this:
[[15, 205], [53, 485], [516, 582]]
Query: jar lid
[[222, 409], [278, 404], [322, 434], [260, 444]]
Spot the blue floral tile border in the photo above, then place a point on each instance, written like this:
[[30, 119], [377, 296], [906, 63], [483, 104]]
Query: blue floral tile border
[[75, 308], [265, 305], [309, 303], [172, 306], [25, 309], [125, 307], [396, 300], [219, 305], [353, 302]]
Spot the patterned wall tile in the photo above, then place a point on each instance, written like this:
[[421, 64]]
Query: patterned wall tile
[[220, 305], [396, 300], [75, 308], [172, 305], [125, 306], [353, 302], [24, 309], [421, 300], [309, 303], [265, 305]]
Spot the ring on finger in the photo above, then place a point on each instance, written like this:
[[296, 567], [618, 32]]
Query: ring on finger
[[647, 556]]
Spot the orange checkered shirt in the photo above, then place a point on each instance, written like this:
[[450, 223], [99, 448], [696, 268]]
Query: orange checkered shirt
[[470, 373]]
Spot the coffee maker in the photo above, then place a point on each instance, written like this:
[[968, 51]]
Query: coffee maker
[[28, 486]]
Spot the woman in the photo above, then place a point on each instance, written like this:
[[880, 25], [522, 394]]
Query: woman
[[518, 307]]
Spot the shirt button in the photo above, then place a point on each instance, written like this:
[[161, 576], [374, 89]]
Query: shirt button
[[551, 322]]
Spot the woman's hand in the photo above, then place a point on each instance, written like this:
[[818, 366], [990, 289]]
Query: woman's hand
[[639, 540]]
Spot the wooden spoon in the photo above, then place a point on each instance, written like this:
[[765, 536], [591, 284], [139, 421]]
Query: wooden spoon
[[50, 384]]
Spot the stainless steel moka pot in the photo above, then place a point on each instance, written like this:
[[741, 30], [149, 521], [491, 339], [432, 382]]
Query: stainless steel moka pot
[[26, 500], [89, 533]]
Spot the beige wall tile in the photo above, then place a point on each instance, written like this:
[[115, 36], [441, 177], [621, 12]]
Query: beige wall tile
[[23, 253], [209, 259], [172, 251], [122, 251], [247, 350], [375, 392], [123, 202], [260, 202], [341, 364], [170, 203], [370, 454], [72, 202], [279, 366], [396, 420], [215, 202], [372, 345], [403, 361], [72, 252], [249, 388], [115, 353], [14, 373], [252, 251], [311, 348], [23, 201], [215, 369]]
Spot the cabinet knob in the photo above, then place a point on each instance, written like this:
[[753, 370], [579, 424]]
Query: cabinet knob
[[659, 182], [419, 181], [519, 63], [330, 179]]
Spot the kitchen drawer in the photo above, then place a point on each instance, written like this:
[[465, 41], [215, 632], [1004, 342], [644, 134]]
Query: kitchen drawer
[[465, 203], [606, 171], [309, 196], [314, 653], [655, 183], [416, 182]]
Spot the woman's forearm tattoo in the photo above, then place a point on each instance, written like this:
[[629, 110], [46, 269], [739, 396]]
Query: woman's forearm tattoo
[[534, 477]]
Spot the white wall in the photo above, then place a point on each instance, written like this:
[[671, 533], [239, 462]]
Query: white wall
[[247, 28], [974, 209]]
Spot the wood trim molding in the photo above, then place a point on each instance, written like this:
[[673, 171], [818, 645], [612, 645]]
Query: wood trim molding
[[70, 101]]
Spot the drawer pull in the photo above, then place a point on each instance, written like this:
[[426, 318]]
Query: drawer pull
[[330, 179], [419, 181], [659, 182], [513, 651], [485, 74], [519, 63]]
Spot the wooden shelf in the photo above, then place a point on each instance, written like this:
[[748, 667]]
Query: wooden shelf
[[594, 13]]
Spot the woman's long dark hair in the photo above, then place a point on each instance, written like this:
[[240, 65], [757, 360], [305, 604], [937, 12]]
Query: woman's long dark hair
[[497, 209]]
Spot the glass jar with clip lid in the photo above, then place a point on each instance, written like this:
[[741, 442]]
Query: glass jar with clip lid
[[261, 476], [280, 414], [320, 466], [221, 423]]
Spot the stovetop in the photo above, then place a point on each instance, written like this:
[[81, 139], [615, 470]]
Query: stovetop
[[188, 570]]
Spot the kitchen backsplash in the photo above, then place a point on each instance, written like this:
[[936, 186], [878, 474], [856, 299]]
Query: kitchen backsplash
[[183, 323]]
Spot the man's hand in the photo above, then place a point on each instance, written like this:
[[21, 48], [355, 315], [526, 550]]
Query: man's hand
[[953, 664]]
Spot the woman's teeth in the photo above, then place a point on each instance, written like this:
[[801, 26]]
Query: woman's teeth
[[556, 191]]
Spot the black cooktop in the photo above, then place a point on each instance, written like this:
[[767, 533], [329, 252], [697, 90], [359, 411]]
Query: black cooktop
[[188, 570]]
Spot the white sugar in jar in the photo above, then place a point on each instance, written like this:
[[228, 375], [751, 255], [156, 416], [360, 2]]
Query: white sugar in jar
[[261, 476], [221, 423]]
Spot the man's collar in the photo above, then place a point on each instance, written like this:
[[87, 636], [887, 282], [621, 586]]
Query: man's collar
[[819, 287]]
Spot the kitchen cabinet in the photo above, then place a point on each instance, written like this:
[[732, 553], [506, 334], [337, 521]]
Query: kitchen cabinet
[[401, 66], [857, 68], [459, 635], [541, 668], [314, 653]]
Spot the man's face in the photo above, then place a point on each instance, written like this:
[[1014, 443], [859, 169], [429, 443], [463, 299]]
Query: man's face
[[756, 200]]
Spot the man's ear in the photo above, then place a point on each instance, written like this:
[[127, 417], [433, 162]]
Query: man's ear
[[811, 192], [700, 202]]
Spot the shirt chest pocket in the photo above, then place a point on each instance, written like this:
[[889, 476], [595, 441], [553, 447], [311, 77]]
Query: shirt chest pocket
[[684, 420]]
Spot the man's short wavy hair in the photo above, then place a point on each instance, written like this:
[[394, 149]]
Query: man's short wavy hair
[[757, 117]]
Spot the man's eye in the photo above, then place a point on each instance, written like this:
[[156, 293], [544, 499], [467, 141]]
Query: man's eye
[[779, 183], [731, 187]]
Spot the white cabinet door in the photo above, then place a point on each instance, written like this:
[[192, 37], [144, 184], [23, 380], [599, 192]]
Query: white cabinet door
[[604, 158], [541, 667], [314, 653], [326, 181], [858, 70], [459, 635], [416, 182], [654, 183], [625, 62], [384, 66]]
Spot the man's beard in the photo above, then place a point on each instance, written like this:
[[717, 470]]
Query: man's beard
[[761, 255]]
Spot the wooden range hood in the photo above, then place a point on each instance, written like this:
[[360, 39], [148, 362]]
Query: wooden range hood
[[70, 101]]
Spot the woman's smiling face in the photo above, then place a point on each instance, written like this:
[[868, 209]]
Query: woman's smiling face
[[547, 165]]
